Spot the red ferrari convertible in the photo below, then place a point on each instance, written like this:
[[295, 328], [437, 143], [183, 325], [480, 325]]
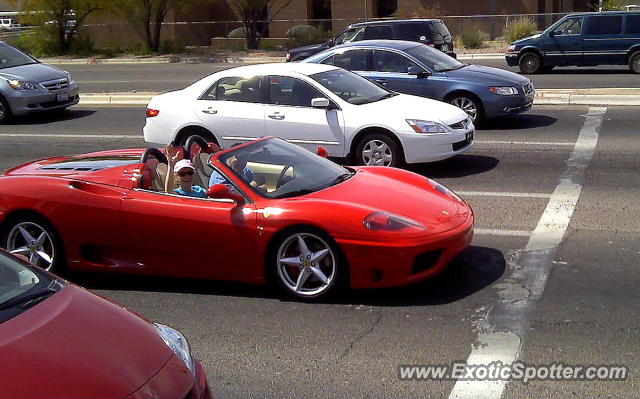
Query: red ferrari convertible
[[273, 211]]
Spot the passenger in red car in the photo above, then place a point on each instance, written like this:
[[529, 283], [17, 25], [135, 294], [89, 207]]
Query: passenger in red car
[[184, 171]]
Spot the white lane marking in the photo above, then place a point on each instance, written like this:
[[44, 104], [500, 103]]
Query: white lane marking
[[72, 136], [541, 143], [501, 194], [500, 232], [499, 340]]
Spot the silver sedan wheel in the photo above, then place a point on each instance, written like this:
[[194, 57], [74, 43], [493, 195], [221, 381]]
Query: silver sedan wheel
[[306, 264], [34, 242], [467, 106], [377, 153]]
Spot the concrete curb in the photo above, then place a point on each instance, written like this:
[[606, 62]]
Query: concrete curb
[[630, 97], [206, 60]]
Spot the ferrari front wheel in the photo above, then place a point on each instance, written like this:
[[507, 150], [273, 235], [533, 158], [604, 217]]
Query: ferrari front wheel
[[36, 240], [308, 265]]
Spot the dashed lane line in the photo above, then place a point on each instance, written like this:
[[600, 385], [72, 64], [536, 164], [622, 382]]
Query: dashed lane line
[[500, 232], [507, 323], [501, 194], [538, 143]]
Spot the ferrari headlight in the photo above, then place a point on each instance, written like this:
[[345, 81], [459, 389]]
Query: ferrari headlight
[[503, 90], [443, 190], [385, 221], [178, 343], [21, 85], [421, 126]]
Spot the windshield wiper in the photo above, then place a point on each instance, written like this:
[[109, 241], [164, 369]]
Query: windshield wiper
[[13, 66], [340, 179], [51, 289]]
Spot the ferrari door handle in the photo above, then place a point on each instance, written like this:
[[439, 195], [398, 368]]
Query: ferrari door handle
[[277, 116], [210, 111]]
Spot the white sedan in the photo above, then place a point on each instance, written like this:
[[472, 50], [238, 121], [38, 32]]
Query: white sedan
[[311, 105]]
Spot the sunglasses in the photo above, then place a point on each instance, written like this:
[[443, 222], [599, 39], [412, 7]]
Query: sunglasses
[[187, 173]]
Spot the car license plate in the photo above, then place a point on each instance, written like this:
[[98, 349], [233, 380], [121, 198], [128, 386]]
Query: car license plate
[[63, 97]]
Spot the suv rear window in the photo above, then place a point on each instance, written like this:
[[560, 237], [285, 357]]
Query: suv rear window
[[439, 30], [604, 25], [633, 24], [413, 32]]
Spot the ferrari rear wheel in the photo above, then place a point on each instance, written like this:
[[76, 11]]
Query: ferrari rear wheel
[[308, 265], [36, 240]]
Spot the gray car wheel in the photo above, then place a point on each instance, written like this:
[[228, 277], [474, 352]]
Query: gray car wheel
[[470, 105], [5, 111], [530, 63], [634, 62]]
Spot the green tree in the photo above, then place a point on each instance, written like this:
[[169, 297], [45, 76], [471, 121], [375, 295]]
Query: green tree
[[59, 20], [147, 17], [256, 15]]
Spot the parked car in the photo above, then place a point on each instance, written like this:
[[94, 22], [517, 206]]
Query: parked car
[[387, 226], [432, 32], [60, 341], [411, 68], [27, 85], [589, 39], [311, 105]]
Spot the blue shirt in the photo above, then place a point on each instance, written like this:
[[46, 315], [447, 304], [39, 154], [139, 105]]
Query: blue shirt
[[217, 178], [196, 191]]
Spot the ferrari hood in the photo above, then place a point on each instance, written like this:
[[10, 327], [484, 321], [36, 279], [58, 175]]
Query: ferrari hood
[[78, 345], [380, 189], [414, 107]]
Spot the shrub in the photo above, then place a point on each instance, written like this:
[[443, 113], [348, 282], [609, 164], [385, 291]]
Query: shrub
[[473, 38], [520, 28], [171, 47], [36, 42], [304, 35], [237, 33]]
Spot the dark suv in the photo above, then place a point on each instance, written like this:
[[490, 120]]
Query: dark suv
[[589, 39], [432, 32]]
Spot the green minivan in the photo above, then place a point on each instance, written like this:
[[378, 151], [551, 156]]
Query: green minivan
[[588, 39]]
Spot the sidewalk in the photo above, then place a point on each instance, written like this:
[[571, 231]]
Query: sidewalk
[[613, 96], [222, 59]]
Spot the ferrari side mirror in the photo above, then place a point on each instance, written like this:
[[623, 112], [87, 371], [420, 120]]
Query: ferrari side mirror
[[221, 191], [322, 152]]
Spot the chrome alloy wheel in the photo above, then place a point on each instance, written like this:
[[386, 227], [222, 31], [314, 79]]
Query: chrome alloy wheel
[[635, 64], [34, 242], [467, 106], [377, 153], [306, 264]]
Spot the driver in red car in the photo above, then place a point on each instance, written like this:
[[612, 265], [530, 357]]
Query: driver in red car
[[184, 171]]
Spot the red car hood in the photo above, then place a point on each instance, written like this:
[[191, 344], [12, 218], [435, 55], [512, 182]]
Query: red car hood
[[76, 344], [401, 192]]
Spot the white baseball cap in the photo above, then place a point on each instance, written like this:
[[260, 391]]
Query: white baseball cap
[[183, 163]]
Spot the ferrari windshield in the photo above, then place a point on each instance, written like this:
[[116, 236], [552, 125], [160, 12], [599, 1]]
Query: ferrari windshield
[[351, 87], [275, 168], [12, 57]]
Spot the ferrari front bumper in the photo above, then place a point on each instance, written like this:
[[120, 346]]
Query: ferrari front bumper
[[377, 265]]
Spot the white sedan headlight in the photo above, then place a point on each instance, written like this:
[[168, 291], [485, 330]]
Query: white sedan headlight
[[421, 126], [22, 85], [503, 90], [178, 343]]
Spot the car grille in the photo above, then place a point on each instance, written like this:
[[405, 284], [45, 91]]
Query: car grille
[[55, 85], [426, 261], [462, 125], [528, 89], [461, 144]]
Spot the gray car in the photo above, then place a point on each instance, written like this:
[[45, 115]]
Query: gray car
[[27, 85], [411, 68]]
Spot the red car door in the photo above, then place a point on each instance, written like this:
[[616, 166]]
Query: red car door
[[190, 237]]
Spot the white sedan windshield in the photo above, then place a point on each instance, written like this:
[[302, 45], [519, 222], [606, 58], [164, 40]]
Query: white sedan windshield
[[351, 87]]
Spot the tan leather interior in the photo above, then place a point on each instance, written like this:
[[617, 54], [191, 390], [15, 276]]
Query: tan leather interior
[[159, 177]]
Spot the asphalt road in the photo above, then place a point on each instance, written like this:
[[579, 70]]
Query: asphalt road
[[162, 77], [581, 310]]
